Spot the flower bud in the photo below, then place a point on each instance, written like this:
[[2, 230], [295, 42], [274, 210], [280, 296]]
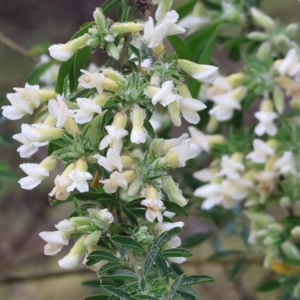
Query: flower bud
[[212, 125], [173, 192], [49, 163], [235, 79], [63, 52], [120, 120], [202, 73], [99, 18], [127, 27], [77, 252], [291, 30], [138, 133], [134, 187], [127, 161], [113, 75], [143, 236], [46, 95], [261, 19], [281, 40], [41, 132], [71, 127], [264, 51], [159, 49], [296, 232], [174, 112], [290, 250], [93, 238], [113, 51], [278, 98], [163, 7], [257, 36]]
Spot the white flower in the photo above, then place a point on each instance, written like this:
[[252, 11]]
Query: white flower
[[23, 102], [266, 123], [199, 139], [105, 216], [65, 226], [87, 108], [76, 254], [189, 108], [266, 180], [40, 132], [202, 73], [138, 133], [204, 175], [177, 156], [115, 181], [116, 132], [36, 173], [153, 203], [290, 64], [261, 152], [92, 80], [55, 241], [225, 104], [285, 164], [112, 160], [165, 94], [63, 52], [79, 179], [230, 168], [62, 182], [28, 148], [212, 194], [155, 35], [59, 110]]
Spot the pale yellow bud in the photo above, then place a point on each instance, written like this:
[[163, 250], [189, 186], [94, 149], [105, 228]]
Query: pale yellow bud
[[262, 19], [239, 93], [151, 192], [291, 29], [174, 112], [129, 175], [110, 85], [46, 95], [150, 91], [50, 121], [101, 99], [266, 105], [120, 120], [278, 98], [235, 79], [127, 161], [81, 165], [173, 192], [215, 139], [257, 36], [212, 125], [183, 90], [158, 50], [71, 127], [113, 75], [127, 27], [49, 163], [264, 51]]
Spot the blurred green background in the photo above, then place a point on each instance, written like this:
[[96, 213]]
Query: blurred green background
[[23, 214]]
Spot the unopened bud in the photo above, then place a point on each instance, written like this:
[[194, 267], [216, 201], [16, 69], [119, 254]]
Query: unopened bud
[[235, 79], [93, 238], [290, 250], [71, 127], [49, 163], [173, 192], [257, 36], [281, 40], [296, 231], [113, 75], [120, 120], [134, 187], [99, 18], [291, 30], [110, 85], [46, 95], [174, 112], [278, 98], [262, 19], [127, 27], [264, 51], [113, 51], [212, 125]]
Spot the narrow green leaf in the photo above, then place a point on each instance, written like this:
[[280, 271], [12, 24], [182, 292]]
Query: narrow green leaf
[[181, 48], [186, 296], [5, 140], [237, 268], [174, 287], [150, 259], [121, 274], [196, 279], [186, 8], [109, 267], [166, 236], [125, 14], [196, 239], [135, 51], [92, 283], [143, 297], [176, 252], [80, 59], [129, 215], [64, 71], [84, 28], [99, 255], [60, 202], [162, 266], [78, 208], [116, 292], [268, 286], [127, 242], [97, 297], [109, 5], [174, 207], [35, 74], [149, 128]]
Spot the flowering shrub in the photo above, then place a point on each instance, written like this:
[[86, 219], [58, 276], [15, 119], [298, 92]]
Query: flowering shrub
[[108, 130]]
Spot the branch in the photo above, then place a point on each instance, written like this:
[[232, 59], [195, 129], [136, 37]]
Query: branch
[[43, 276], [11, 44]]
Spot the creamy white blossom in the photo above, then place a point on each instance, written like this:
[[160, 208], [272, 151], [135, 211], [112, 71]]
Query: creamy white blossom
[[165, 95], [261, 152], [23, 102], [79, 181], [87, 109], [266, 123], [230, 168], [139, 133], [112, 160], [59, 110], [90, 80], [36, 173], [285, 164], [55, 241], [154, 35]]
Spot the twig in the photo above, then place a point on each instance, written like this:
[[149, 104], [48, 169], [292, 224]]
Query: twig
[[11, 44], [44, 276]]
